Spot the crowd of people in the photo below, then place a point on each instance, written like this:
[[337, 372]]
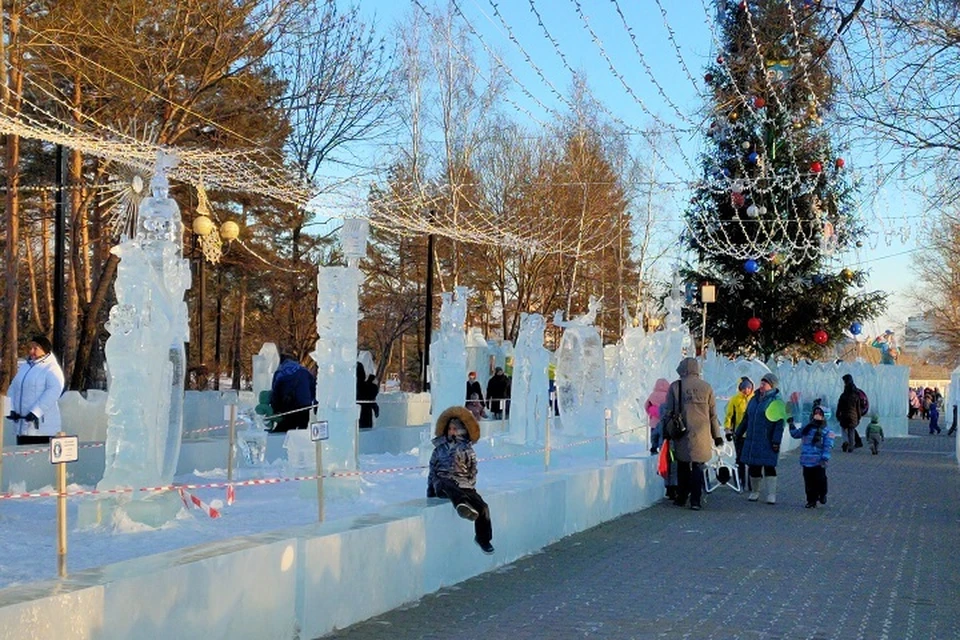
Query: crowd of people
[[755, 421], [496, 406]]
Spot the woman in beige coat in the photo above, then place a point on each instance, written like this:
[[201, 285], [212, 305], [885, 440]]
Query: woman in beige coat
[[694, 400]]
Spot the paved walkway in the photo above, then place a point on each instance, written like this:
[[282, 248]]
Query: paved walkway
[[880, 560]]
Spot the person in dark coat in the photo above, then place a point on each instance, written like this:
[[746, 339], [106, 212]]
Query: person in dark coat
[[498, 390], [453, 471], [367, 399], [473, 387], [294, 389], [762, 435], [693, 399], [849, 412]]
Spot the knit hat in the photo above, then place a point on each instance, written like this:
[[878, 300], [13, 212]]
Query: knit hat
[[847, 378], [42, 342], [771, 379], [818, 409], [874, 419], [745, 383]]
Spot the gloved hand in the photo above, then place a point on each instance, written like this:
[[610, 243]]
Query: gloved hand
[[653, 451], [718, 442], [14, 416], [729, 436], [31, 418], [775, 447]]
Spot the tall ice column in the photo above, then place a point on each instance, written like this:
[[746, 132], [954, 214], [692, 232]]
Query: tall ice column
[[336, 353]]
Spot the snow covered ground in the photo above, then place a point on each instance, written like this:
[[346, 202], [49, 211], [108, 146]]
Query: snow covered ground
[[28, 526]]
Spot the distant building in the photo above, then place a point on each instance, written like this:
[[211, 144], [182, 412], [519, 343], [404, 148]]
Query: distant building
[[919, 341]]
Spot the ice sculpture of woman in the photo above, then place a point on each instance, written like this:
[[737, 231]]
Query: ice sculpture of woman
[[145, 352]]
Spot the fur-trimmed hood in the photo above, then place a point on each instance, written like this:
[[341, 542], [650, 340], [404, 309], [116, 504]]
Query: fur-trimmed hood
[[464, 415]]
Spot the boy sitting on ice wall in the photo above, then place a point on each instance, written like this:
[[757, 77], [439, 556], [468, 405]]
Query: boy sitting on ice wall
[[453, 471]]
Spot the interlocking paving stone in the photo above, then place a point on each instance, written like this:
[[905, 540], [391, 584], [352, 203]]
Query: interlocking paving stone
[[878, 561]]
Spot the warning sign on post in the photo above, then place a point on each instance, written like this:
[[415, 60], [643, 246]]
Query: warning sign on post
[[319, 430], [64, 449]]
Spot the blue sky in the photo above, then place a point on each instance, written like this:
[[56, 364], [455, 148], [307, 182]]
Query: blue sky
[[653, 84]]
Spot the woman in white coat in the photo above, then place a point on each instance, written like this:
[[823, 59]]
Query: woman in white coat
[[34, 393]]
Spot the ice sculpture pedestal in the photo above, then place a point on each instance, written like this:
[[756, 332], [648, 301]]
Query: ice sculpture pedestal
[[153, 511]]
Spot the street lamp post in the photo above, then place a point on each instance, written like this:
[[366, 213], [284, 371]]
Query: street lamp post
[[210, 241], [708, 294]]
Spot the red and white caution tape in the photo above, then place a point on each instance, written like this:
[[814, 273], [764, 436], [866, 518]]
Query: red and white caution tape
[[231, 486], [217, 427], [198, 503], [31, 452]]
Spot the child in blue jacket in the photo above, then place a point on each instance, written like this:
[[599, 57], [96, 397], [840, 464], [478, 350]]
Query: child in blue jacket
[[934, 417], [816, 441]]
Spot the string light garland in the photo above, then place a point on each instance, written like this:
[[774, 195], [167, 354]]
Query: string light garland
[[405, 208]]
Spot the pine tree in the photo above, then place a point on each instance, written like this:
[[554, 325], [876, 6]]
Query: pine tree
[[775, 207]]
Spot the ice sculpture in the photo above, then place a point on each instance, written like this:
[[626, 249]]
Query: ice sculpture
[[645, 357], [265, 364], [630, 416], [145, 352], [580, 374], [448, 353], [336, 352], [530, 397]]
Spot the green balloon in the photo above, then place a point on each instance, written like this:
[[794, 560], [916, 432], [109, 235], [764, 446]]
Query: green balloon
[[777, 410]]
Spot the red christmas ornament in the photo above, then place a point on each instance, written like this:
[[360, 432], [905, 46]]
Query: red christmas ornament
[[708, 77], [719, 59], [840, 163], [743, 5], [759, 102], [816, 167], [820, 336], [738, 199], [753, 324]]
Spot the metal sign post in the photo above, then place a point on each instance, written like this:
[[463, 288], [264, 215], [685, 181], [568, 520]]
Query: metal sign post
[[320, 431], [1, 458], [606, 435], [546, 437], [233, 440], [63, 449]]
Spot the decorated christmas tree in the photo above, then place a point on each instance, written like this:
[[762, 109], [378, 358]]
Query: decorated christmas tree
[[773, 216]]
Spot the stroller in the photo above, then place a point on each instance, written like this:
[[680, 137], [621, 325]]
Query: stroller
[[721, 470]]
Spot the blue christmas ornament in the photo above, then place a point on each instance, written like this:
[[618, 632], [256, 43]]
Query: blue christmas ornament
[[751, 266], [818, 278], [856, 328], [753, 157]]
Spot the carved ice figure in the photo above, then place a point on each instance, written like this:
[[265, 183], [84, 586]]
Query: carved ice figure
[[659, 352], [448, 353], [630, 416], [580, 373], [265, 364], [145, 352], [530, 398]]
